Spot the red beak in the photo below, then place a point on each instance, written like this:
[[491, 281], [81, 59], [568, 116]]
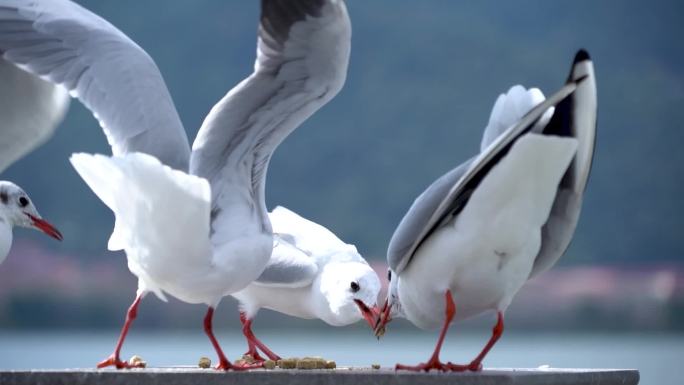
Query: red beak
[[383, 319], [45, 227], [369, 314]]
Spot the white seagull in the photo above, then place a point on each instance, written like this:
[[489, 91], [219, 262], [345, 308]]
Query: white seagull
[[477, 234], [194, 225], [311, 274], [16, 209]]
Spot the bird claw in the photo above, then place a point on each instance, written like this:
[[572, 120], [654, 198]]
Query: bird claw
[[433, 363], [253, 357], [225, 365], [115, 361], [473, 367], [248, 366]]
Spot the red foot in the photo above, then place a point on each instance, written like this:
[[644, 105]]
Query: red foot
[[254, 354], [433, 363], [225, 365], [116, 361], [473, 367]]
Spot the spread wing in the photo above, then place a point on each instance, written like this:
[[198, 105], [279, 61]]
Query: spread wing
[[30, 111], [302, 57], [67, 45]]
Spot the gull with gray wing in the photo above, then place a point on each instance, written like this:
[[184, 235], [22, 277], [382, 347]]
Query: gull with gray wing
[[311, 274], [477, 234]]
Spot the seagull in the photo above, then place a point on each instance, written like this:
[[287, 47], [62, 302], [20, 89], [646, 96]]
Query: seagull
[[311, 274], [17, 209], [193, 223], [477, 234]]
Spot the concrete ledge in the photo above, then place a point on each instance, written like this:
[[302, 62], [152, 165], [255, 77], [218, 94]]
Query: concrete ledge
[[340, 376]]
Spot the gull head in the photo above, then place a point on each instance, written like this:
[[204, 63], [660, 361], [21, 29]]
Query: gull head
[[17, 209], [391, 307], [351, 289]]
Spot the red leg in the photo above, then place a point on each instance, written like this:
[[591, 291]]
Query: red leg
[[115, 359], [253, 342], [476, 364], [433, 362], [223, 364]]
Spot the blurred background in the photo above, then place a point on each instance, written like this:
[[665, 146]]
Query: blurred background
[[422, 80]]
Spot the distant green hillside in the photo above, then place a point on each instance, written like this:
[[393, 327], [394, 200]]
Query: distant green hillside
[[423, 77]]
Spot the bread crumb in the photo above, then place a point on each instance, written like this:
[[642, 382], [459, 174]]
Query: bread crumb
[[137, 361], [204, 363]]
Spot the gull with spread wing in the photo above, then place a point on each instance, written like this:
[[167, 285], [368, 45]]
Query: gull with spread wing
[[193, 224], [473, 238]]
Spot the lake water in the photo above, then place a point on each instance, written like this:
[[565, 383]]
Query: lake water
[[659, 357]]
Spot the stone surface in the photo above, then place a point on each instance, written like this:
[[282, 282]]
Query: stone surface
[[339, 376]]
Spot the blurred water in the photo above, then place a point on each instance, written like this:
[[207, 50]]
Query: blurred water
[[659, 357]]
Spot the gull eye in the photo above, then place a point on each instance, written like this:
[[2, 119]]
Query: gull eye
[[23, 201], [389, 275], [355, 287]]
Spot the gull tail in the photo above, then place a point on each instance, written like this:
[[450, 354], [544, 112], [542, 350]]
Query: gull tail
[[509, 108], [162, 215]]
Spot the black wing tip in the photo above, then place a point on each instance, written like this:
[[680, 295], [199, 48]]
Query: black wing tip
[[581, 56], [278, 16]]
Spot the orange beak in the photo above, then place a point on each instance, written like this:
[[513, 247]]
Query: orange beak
[[369, 314], [383, 319], [45, 227]]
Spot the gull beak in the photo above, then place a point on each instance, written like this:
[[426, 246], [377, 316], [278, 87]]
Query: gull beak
[[382, 320], [369, 314], [45, 227]]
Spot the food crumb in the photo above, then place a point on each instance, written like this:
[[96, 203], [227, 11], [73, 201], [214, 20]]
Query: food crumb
[[306, 363], [204, 363], [375, 366], [137, 361], [288, 363]]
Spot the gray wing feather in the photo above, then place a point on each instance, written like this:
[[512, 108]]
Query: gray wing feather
[[302, 57], [576, 117], [289, 266], [459, 192], [117, 80], [31, 109], [418, 216]]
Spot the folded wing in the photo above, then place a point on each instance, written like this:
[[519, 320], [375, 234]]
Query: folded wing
[[403, 248], [576, 117]]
